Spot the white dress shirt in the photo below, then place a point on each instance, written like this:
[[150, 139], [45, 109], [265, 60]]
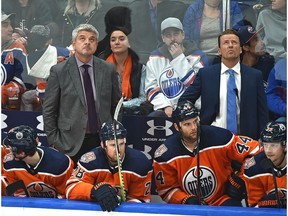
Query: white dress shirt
[[221, 119]]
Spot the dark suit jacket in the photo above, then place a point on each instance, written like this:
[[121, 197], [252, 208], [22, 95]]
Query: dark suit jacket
[[253, 105], [64, 110]]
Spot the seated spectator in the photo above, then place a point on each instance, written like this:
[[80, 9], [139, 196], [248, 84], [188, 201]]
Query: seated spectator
[[29, 12], [132, 73], [42, 56], [276, 90], [13, 60], [171, 68], [274, 21], [203, 22], [115, 17], [31, 163], [260, 170], [78, 12], [96, 177], [20, 35], [253, 51]]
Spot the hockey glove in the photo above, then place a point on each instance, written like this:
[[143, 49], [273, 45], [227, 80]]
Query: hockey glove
[[270, 201], [236, 188], [193, 200], [106, 195]]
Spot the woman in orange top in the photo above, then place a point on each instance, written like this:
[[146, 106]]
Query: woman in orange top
[[132, 72]]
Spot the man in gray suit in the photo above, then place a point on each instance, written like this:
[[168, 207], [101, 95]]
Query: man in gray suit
[[66, 104]]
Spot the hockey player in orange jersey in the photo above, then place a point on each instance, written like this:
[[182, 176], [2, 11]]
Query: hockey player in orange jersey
[[43, 170], [4, 151], [175, 161], [96, 177], [259, 170]]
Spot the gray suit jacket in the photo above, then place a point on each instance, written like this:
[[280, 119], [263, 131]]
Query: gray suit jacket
[[64, 110]]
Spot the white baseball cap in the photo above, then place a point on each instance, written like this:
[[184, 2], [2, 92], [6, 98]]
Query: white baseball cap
[[171, 22], [5, 16]]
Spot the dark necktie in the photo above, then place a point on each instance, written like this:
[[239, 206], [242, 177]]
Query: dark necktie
[[231, 103], [92, 115]]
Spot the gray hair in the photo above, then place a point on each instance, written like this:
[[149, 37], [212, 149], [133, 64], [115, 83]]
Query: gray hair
[[71, 7], [84, 27]]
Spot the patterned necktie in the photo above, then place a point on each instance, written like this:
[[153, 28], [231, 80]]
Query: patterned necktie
[[231, 103], [92, 115]]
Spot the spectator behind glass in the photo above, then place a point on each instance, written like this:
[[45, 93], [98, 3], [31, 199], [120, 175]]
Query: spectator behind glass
[[132, 73], [276, 90], [65, 108], [29, 13], [115, 17], [42, 56], [203, 22], [37, 166], [171, 68], [13, 61], [253, 51], [78, 12], [274, 20], [211, 85]]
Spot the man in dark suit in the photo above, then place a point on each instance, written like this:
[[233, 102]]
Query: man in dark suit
[[211, 85], [67, 106]]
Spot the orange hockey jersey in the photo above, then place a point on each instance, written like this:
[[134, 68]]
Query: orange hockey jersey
[[259, 181], [175, 167], [93, 168], [47, 179], [4, 183]]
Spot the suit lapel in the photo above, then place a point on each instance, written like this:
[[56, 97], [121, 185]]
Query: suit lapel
[[215, 76], [76, 79], [244, 79], [98, 76]]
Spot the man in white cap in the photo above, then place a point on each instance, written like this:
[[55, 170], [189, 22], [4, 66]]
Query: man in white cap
[[13, 61], [171, 68]]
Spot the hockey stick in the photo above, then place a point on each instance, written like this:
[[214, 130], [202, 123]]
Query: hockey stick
[[119, 162], [12, 188], [198, 163], [266, 163]]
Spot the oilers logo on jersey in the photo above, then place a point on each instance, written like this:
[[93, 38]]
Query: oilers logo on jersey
[[3, 75], [40, 189], [208, 181], [170, 83]]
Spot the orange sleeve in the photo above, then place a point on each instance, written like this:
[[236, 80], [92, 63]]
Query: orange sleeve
[[79, 185], [167, 183], [139, 188]]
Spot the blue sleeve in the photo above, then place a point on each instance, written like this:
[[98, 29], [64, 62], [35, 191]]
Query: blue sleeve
[[236, 15], [276, 95]]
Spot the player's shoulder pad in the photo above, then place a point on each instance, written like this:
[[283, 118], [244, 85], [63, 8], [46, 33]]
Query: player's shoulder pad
[[172, 147], [253, 166], [8, 157], [94, 159], [214, 136], [61, 162], [9, 162], [136, 161]]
